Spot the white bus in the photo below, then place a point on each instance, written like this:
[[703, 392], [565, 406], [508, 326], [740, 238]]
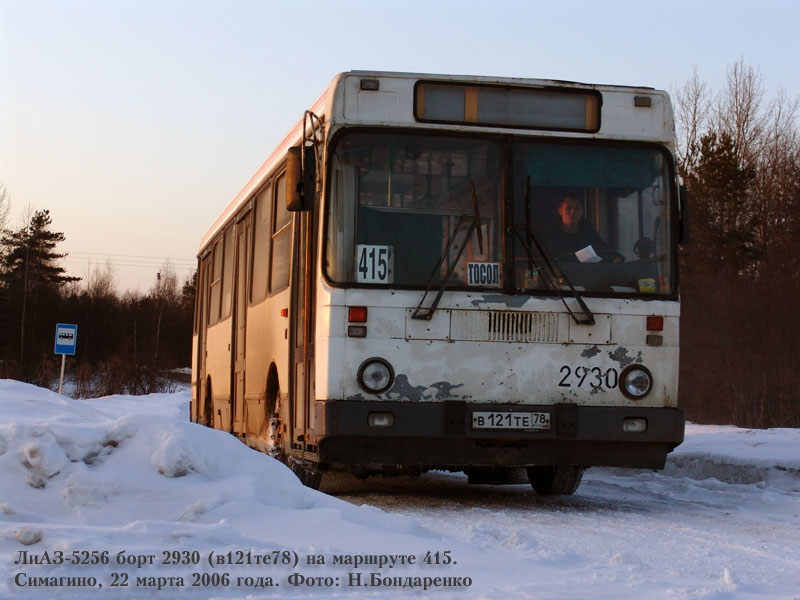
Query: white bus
[[465, 273]]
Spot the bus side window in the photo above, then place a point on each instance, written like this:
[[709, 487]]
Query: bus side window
[[261, 244], [227, 274], [198, 283], [216, 286], [281, 239]]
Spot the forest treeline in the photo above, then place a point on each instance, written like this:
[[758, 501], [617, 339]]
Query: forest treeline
[[127, 343], [738, 155]]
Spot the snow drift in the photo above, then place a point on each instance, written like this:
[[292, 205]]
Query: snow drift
[[119, 486]]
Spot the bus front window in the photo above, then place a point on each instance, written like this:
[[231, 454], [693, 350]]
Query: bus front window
[[396, 201], [602, 212]]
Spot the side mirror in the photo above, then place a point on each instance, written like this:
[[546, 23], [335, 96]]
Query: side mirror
[[301, 178], [683, 232]]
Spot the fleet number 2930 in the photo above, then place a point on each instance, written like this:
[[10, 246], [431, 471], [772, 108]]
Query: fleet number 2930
[[593, 377]]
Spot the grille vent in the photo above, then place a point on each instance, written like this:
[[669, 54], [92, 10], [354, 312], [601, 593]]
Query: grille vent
[[505, 326]]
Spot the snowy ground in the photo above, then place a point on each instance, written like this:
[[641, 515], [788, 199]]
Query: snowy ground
[[125, 493]]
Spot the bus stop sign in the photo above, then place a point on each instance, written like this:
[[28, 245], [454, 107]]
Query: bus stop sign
[[66, 338]]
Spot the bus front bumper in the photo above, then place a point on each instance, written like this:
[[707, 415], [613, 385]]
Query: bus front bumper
[[441, 435]]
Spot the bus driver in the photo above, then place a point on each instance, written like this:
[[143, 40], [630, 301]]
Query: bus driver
[[573, 233]]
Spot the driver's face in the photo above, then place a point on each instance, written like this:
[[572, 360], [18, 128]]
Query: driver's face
[[571, 211]]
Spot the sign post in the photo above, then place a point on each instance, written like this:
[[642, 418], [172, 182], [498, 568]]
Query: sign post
[[66, 340]]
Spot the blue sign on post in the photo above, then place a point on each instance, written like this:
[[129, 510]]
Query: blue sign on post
[[66, 338]]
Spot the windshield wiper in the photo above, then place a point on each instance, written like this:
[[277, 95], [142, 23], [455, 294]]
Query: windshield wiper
[[464, 221], [548, 267], [477, 217], [471, 223]]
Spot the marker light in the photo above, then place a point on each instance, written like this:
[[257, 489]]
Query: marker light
[[380, 419], [357, 331], [370, 84], [357, 314], [635, 382], [375, 375], [634, 425], [655, 323]]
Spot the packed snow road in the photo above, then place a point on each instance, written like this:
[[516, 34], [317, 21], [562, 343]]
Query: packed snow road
[[620, 530], [726, 510], [122, 497]]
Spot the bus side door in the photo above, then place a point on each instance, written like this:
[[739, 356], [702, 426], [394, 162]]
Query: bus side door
[[240, 321], [303, 334]]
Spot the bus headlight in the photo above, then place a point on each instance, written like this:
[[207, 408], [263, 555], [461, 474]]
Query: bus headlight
[[635, 382], [375, 375]]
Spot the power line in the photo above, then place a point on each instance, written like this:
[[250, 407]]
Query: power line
[[131, 261], [79, 254], [128, 265]]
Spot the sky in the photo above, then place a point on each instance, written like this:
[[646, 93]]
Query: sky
[[135, 122]]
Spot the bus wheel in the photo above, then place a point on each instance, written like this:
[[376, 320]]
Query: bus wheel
[[551, 481], [274, 433], [308, 473], [208, 406]]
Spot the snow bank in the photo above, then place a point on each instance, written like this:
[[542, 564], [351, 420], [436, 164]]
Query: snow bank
[[740, 456], [131, 473], [116, 486], [122, 459]]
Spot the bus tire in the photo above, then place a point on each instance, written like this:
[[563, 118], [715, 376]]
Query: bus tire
[[208, 406], [274, 439], [308, 473], [555, 480]]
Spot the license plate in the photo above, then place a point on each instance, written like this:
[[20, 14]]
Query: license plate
[[529, 421]]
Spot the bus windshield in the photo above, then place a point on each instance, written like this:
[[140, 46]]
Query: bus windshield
[[600, 211], [398, 203]]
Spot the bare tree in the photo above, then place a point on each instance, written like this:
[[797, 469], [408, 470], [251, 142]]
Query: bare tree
[[166, 288], [738, 111], [693, 104], [5, 205], [167, 294], [5, 211], [102, 282], [776, 192], [24, 218]]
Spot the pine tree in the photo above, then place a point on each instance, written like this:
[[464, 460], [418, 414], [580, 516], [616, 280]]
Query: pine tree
[[30, 279], [725, 222]]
